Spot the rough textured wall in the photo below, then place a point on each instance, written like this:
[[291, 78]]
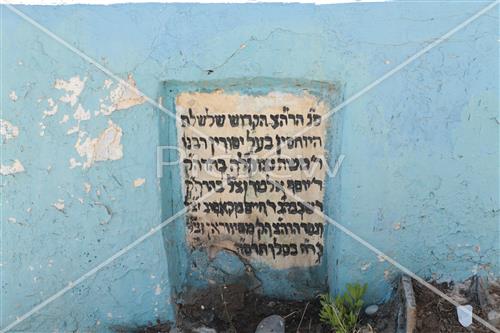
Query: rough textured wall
[[419, 179]]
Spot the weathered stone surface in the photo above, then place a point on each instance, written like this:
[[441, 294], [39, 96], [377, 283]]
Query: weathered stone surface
[[271, 324]]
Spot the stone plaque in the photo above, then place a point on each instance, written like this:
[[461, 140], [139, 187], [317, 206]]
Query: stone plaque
[[245, 158]]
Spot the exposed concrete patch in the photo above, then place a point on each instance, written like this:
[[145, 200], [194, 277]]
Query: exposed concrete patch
[[87, 187], [72, 130], [59, 205], [80, 113], [364, 267], [73, 163], [7, 130], [106, 147], [15, 167], [74, 87], [53, 108], [13, 220], [139, 182], [42, 128], [122, 97], [13, 96], [107, 83], [64, 119]]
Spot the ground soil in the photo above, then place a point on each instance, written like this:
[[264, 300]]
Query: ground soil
[[384, 321], [435, 314], [233, 309]]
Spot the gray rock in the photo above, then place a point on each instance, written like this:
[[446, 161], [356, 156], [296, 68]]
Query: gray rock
[[204, 329], [271, 324], [371, 309], [494, 317]]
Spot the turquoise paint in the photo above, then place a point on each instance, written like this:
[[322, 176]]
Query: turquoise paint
[[421, 148]]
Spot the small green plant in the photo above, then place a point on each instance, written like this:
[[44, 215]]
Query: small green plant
[[342, 312]]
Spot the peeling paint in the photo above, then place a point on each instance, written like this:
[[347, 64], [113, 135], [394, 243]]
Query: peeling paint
[[139, 182], [74, 87], [15, 167], [80, 113], [107, 83], [13, 96], [122, 97], [7, 130], [64, 119], [87, 187], [106, 147], [59, 205], [73, 163], [365, 266], [73, 130], [42, 128], [54, 108]]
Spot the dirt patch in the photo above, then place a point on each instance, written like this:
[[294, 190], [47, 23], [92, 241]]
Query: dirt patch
[[435, 314], [385, 320], [233, 309]]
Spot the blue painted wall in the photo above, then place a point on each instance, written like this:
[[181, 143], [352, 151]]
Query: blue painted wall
[[419, 179]]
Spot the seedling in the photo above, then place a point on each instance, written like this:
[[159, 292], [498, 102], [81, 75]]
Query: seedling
[[342, 312]]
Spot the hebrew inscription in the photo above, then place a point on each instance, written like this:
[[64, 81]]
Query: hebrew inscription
[[242, 157]]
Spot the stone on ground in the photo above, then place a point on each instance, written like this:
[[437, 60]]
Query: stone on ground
[[271, 324]]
